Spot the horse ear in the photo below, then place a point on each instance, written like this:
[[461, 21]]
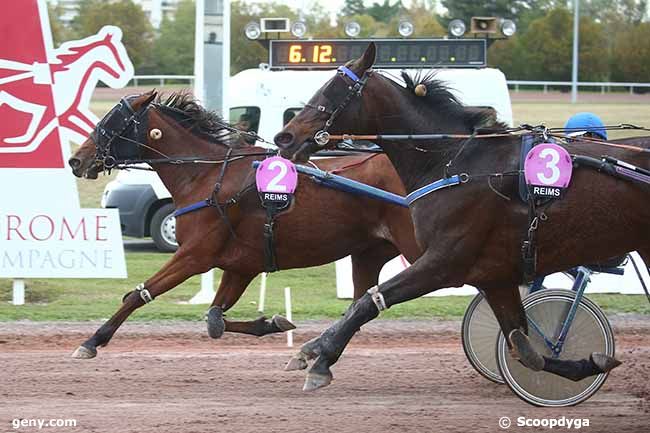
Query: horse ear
[[368, 59], [150, 98], [144, 100]]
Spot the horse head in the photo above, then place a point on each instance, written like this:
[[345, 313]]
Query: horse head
[[336, 107], [119, 137], [149, 129], [357, 100]]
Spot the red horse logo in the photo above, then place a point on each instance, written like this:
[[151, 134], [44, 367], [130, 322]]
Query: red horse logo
[[45, 92]]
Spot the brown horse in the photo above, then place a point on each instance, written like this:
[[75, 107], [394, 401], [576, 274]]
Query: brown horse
[[472, 232], [230, 237]]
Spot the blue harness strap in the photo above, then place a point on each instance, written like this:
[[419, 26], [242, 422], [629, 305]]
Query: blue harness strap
[[432, 187], [192, 207], [344, 184], [348, 185], [352, 186], [347, 71]]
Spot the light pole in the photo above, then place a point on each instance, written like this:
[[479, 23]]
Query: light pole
[[576, 31]]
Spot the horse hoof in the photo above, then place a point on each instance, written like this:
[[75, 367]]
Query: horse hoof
[[298, 362], [83, 352], [527, 354], [282, 323], [216, 324], [604, 362], [311, 349], [313, 381]]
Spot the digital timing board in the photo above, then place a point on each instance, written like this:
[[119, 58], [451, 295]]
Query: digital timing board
[[391, 53]]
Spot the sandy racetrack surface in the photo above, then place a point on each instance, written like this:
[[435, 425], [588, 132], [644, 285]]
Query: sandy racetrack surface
[[402, 376]]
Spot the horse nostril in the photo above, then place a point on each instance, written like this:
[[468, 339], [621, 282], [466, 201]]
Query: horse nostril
[[75, 163], [284, 139]]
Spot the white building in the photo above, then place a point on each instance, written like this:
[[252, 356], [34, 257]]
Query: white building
[[155, 10]]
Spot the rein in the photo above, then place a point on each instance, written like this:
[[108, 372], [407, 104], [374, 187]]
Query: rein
[[523, 129], [133, 119]]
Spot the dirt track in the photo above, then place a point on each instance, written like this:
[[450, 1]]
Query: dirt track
[[396, 376]]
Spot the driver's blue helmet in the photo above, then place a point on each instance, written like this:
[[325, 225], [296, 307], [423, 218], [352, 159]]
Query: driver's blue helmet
[[585, 122]]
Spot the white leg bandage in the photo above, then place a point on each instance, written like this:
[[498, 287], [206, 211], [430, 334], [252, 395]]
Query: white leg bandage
[[144, 293], [377, 298]]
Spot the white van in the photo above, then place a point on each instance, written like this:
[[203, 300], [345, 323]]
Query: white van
[[268, 99]]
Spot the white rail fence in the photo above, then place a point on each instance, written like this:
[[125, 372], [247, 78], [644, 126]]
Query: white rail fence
[[162, 79], [516, 85], [604, 86]]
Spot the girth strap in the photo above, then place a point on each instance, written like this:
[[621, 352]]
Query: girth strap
[[270, 258]]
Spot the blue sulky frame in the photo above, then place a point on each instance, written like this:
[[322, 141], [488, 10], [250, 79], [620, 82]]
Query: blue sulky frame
[[581, 276]]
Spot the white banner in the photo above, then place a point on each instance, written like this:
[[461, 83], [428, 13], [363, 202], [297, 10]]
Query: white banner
[[45, 95], [78, 243]]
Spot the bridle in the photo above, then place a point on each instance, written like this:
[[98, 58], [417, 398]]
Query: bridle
[[106, 136], [322, 137], [113, 129]]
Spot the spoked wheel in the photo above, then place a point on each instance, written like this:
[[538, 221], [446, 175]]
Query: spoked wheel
[[479, 335], [590, 332]]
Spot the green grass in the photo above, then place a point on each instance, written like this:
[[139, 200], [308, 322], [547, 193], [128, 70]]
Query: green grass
[[313, 295], [313, 290], [555, 114]]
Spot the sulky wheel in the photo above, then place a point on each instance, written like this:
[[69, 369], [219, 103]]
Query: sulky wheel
[[479, 334], [589, 332]]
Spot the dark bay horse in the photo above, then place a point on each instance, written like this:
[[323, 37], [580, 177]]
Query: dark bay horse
[[146, 128], [472, 232]]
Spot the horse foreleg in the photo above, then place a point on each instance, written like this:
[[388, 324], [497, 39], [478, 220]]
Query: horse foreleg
[[507, 307], [175, 271], [231, 287], [367, 265], [413, 282]]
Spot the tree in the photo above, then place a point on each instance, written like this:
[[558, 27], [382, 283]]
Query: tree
[[173, 49], [352, 7], [625, 11], [544, 51], [510, 56], [245, 53], [425, 21], [136, 29], [60, 33], [631, 54], [384, 12], [522, 11]]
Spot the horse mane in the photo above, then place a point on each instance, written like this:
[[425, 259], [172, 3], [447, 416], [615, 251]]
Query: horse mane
[[203, 122], [439, 98]]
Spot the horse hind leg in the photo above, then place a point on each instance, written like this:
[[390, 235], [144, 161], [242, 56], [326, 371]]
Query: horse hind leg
[[507, 307], [231, 288]]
